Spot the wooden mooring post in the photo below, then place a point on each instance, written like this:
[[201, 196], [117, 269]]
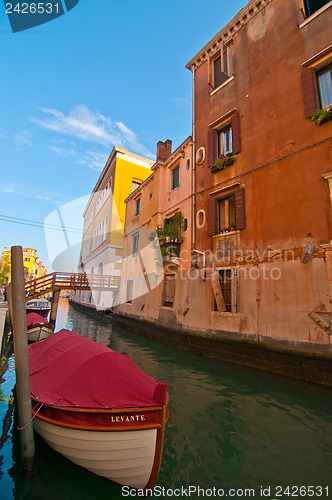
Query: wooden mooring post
[[54, 306], [23, 397]]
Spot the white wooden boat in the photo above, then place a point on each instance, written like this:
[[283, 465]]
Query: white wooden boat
[[98, 409], [38, 328]]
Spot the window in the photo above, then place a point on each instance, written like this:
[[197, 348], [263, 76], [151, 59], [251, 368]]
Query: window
[[317, 88], [224, 139], [324, 79], [175, 179], [135, 184], [135, 245], [225, 284], [200, 218], [220, 67], [138, 206], [311, 6], [226, 210], [175, 223], [129, 291], [169, 290]]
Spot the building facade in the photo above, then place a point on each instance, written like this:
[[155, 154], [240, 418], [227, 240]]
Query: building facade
[[260, 267], [104, 215], [33, 267], [158, 236]]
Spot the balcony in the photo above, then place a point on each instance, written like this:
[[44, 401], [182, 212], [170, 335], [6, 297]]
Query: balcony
[[225, 246], [171, 250]]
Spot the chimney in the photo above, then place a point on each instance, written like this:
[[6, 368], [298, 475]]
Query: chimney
[[164, 150]]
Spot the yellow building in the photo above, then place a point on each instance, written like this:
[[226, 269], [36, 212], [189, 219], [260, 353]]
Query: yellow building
[[104, 217], [33, 267]]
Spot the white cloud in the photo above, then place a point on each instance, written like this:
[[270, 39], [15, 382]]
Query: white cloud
[[94, 160], [179, 102], [91, 126], [63, 151], [23, 138], [35, 193], [131, 138]]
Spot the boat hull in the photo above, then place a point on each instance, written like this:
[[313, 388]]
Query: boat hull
[[37, 333], [123, 446]]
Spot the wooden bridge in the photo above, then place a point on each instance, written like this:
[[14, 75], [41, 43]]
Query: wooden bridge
[[55, 282]]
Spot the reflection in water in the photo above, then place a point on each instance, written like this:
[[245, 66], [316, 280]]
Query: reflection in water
[[229, 426]]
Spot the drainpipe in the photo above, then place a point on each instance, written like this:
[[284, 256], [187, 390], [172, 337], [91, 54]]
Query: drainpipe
[[194, 161], [194, 175]]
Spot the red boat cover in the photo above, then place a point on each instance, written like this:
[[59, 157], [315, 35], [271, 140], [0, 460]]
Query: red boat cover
[[34, 319], [67, 369]]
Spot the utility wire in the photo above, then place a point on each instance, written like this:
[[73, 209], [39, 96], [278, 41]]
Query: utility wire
[[28, 222]]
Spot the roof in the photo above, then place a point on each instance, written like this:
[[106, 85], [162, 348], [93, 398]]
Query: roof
[[228, 31], [124, 153], [70, 370]]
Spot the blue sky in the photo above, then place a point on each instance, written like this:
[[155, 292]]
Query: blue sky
[[106, 73]]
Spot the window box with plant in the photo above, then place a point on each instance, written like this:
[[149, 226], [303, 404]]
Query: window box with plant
[[321, 116], [169, 237], [223, 161]]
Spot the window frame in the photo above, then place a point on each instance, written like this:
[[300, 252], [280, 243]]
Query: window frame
[[234, 122], [135, 183], [225, 56], [226, 293], [213, 223], [312, 97], [306, 8], [325, 69], [137, 207], [175, 169], [225, 139], [134, 247], [229, 219]]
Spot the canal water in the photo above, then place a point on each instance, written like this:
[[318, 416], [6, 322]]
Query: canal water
[[233, 432]]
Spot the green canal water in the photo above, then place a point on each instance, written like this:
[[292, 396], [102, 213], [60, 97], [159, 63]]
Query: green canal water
[[233, 432]]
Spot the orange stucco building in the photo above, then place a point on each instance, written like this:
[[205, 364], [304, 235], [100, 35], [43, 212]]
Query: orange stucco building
[[158, 234], [256, 83], [260, 271]]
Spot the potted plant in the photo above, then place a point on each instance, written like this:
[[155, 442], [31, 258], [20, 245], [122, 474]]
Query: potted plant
[[225, 229]]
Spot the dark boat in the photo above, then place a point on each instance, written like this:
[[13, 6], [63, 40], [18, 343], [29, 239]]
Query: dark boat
[[40, 306]]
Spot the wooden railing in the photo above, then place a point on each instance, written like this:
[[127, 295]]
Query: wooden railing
[[69, 281]]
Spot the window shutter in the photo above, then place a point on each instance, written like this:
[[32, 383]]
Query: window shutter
[[169, 290], [212, 138], [239, 209], [236, 133], [211, 218], [310, 92]]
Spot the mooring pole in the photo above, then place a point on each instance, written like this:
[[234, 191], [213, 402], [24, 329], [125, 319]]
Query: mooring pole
[[54, 306], [23, 396]]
